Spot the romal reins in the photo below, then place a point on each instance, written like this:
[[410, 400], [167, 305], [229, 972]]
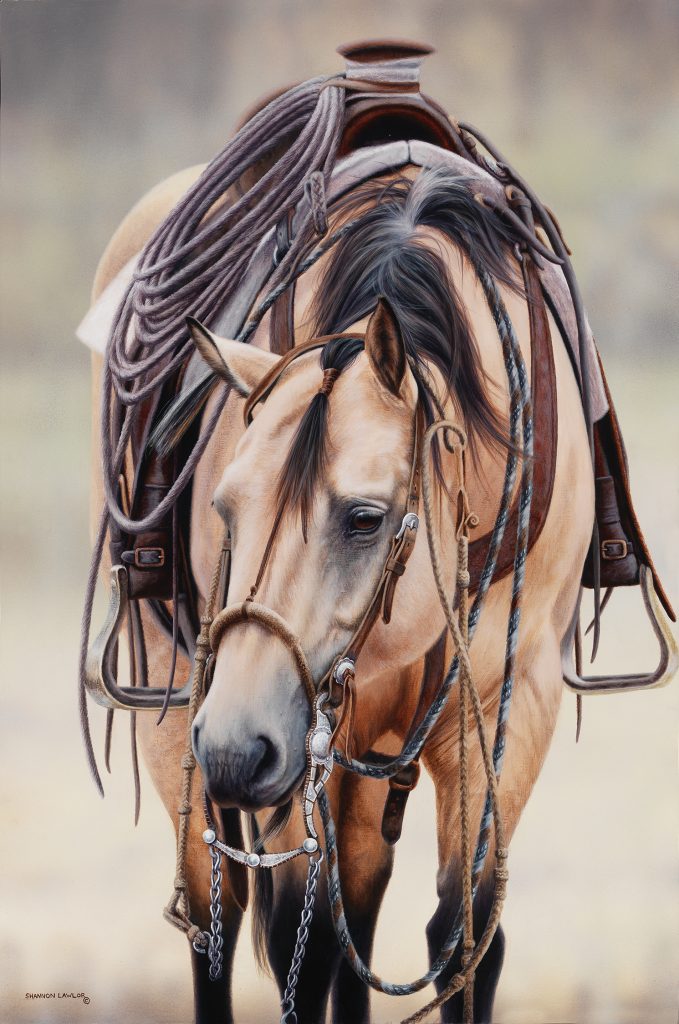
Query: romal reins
[[334, 691]]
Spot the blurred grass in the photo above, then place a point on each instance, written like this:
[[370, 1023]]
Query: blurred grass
[[100, 101]]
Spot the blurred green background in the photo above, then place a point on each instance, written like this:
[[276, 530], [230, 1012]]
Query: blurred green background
[[100, 100]]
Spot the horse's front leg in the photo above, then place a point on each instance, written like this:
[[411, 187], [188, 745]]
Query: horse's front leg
[[365, 868], [365, 864], [535, 704], [443, 763], [278, 903], [488, 972], [163, 749]]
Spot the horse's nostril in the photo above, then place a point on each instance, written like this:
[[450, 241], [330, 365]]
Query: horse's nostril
[[268, 758], [195, 736]]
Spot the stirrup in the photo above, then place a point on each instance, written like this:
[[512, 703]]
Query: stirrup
[[100, 669], [667, 665]]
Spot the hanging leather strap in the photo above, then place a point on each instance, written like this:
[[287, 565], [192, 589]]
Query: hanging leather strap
[[403, 783], [545, 416], [400, 551]]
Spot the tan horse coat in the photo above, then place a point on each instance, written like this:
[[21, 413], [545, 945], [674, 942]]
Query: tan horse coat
[[552, 580]]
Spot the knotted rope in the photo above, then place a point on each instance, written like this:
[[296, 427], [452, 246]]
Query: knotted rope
[[178, 909]]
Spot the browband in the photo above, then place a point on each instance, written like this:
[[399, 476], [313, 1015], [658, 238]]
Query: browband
[[270, 379]]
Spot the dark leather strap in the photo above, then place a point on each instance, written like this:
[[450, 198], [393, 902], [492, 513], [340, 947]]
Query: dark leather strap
[[282, 324], [622, 546], [545, 417], [401, 549], [403, 783], [270, 379], [282, 329]]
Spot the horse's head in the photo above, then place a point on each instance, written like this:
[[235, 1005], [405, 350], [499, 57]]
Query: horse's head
[[313, 500]]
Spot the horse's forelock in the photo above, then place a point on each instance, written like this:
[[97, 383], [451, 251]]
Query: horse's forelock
[[305, 461]]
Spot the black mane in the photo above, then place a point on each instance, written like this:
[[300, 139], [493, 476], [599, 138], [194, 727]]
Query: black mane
[[387, 255]]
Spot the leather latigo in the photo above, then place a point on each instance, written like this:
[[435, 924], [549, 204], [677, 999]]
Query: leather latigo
[[545, 414], [622, 546]]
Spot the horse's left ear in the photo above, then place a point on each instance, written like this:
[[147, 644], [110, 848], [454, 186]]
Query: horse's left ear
[[242, 366], [385, 348]]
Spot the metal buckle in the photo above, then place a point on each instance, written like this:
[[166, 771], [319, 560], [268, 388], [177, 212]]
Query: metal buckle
[[149, 558], [411, 521], [614, 550]]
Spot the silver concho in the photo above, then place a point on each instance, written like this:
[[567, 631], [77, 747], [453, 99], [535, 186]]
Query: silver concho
[[320, 743]]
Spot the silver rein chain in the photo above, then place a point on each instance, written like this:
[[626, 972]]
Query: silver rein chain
[[320, 764], [320, 761]]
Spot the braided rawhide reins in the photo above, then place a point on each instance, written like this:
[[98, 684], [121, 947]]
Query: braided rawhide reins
[[461, 629]]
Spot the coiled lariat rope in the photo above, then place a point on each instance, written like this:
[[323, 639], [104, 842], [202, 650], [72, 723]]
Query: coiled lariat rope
[[194, 263]]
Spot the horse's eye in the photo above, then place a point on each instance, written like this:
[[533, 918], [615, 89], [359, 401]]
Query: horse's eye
[[365, 520]]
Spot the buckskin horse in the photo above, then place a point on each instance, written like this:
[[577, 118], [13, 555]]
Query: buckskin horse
[[416, 353]]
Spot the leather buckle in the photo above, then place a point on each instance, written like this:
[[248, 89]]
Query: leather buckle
[[149, 558], [614, 550]]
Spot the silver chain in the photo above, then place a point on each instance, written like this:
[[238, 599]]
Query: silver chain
[[320, 767], [216, 942], [288, 1015]]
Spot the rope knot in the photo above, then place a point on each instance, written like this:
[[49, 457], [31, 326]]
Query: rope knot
[[463, 579], [329, 377], [196, 937]]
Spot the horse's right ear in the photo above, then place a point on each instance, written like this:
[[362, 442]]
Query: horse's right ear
[[385, 348], [242, 366]]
